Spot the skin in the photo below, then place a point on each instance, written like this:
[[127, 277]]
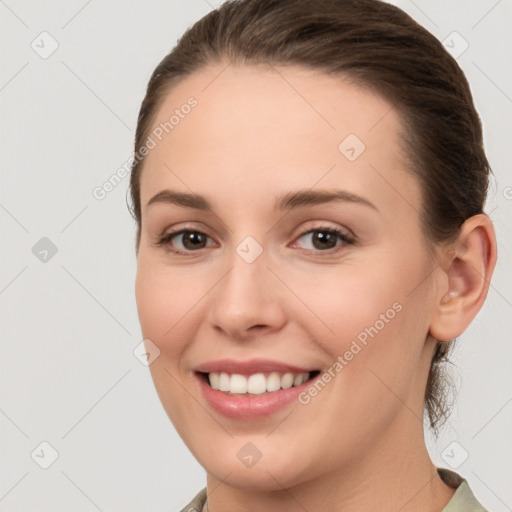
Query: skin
[[256, 133]]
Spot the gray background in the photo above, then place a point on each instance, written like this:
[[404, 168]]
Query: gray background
[[69, 325]]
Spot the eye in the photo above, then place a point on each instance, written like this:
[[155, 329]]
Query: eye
[[191, 241], [322, 238], [325, 238]]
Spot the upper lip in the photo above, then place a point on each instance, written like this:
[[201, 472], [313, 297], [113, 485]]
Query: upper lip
[[249, 367]]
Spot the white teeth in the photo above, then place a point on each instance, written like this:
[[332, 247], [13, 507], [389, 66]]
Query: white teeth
[[255, 384], [297, 381], [238, 384], [287, 380], [273, 382], [214, 380], [224, 382]]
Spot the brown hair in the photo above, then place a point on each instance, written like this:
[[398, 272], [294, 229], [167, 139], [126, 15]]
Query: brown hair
[[380, 47]]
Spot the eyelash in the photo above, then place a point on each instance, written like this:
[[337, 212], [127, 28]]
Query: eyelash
[[347, 239]]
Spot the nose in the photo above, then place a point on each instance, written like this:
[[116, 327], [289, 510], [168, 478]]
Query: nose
[[248, 301]]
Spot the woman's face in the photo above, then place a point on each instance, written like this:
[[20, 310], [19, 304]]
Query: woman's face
[[264, 277]]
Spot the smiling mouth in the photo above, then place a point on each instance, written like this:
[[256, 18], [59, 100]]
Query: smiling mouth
[[257, 383]]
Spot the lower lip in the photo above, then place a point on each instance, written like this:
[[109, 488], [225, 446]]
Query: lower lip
[[249, 407]]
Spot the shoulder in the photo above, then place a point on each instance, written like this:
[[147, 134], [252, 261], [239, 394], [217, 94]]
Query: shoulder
[[463, 500]]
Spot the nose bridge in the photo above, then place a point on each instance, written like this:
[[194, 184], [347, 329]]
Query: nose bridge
[[248, 269], [246, 296]]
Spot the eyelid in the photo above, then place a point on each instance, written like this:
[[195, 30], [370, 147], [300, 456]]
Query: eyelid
[[319, 225]]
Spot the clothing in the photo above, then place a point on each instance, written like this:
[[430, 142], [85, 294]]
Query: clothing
[[462, 501]]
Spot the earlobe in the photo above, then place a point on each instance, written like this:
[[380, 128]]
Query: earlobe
[[467, 275]]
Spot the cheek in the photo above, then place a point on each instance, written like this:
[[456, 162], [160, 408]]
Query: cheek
[[164, 299], [372, 315], [163, 302], [339, 304]]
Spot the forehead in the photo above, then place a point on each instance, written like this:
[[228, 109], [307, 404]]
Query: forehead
[[259, 129]]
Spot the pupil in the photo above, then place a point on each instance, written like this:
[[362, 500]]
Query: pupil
[[324, 237], [190, 236]]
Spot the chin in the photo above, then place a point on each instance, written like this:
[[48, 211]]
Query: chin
[[273, 474]]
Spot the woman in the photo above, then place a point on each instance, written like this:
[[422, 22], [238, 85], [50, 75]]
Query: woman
[[308, 186]]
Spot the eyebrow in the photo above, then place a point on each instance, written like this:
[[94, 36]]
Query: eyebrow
[[288, 201]]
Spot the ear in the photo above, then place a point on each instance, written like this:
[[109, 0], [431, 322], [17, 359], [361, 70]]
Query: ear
[[467, 269]]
